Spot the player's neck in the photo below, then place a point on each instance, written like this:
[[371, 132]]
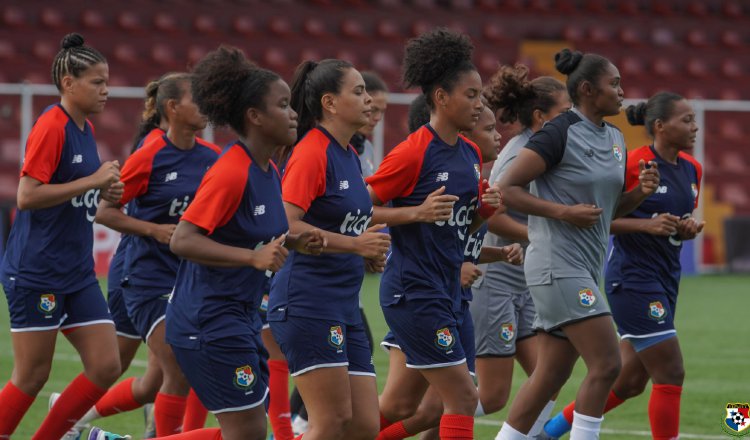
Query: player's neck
[[182, 137], [340, 130], [260, 149], [446, 131], [78, 117], [667, 152]]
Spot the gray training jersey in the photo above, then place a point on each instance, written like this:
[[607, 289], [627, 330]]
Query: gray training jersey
[[504, 276], [585, 164]]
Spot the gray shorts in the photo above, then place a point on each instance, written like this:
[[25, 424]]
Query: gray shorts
[[566, 301], [501, 319]]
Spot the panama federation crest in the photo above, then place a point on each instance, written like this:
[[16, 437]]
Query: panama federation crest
[[336, 337], [444, 340], [737, 419], [244, 377], [617, 152], [586, 297], [694, 189], [656, 310], [47, 303], [477, 171], [506, 332], [264, 303]]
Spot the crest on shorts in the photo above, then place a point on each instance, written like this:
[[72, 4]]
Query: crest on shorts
[[264, 303], [506, 332], [586, 297], [617, 152], [477, 171], [336, 336], [244, 377], [444, 339], [47, 303], [737, 419], [656, 310]]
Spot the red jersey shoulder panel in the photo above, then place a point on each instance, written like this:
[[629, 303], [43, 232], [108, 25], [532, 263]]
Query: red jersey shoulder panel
[[399, 172], [305, 174], [136, 172], [633, 169], [220, 192], [44, 145]]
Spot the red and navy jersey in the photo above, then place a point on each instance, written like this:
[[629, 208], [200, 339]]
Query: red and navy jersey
[[471, 254], [650, 263], [324, 180], [426, 258], [51, 248], [160, 180], [237, 204]]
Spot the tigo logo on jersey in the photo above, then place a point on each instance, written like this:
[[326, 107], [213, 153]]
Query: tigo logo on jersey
[[617, 151], [442, 177], [506, 332], [656, 310], [244, 377], [444, 339], [336, 337], [259, 210], [47, 303], [264, 303], [737, 419], [586, 297]]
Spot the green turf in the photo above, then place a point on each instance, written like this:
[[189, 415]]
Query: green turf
[[712, 323]]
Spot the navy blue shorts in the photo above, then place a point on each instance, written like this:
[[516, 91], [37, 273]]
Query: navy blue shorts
[[309, 344], [642, 314], [226, 377], [123, 325], [427, 331], [36, 310], [146, 307]]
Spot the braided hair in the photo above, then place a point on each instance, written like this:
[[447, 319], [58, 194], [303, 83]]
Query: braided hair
[[73, 59]]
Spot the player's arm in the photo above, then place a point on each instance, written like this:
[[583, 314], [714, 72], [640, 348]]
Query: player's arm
[[504, 226], [35, 194], [512, 254], [436, 207], [662, 224], [110, 215], [648, 181]]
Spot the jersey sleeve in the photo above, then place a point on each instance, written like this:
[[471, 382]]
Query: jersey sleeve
[[698, 174], [399, 172], [219, 195], [43, 151], [136, 173], [305, 175], [633, 168], [549, 143]]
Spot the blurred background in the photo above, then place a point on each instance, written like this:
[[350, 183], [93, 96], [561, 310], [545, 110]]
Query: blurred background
[[698, 48]]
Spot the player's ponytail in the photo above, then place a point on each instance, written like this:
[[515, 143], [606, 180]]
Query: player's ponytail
[[169, 86], [636, 114], [658, 107], [580, 67]]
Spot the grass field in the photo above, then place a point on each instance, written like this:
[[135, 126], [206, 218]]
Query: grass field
[[713, 322]]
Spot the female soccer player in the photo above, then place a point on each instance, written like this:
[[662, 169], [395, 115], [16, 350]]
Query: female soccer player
[[643, 272], [576, 167], [48, 268], [420, 290], [160, 178], [313, 306]]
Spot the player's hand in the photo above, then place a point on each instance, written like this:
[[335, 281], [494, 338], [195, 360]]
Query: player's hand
[[271, 256], [648, 178], [689, 228], [113, 193], [107, 174], [662, 224], [438, 206], [162, 233], [513, 254], [491, 196], [582, 215], [469, 273], [310, 242], [375, 265], [373, 244]]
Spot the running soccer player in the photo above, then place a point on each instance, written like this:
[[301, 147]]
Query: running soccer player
[[314, 305], [420, 291], [48, 269], [576, 166], [643, 271], [160, 178]]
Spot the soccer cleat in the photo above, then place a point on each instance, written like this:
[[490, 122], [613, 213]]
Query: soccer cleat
[[299, 425], [149, 422], [543, 436], [100, 434]]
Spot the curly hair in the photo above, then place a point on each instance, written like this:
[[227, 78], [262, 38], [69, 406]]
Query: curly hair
[[73, 58], [511, 93], [658, 107], [580, 67], [436, 59]]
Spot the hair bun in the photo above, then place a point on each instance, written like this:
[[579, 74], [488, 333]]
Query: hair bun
[[71, 40], [636, 114], [566, 61]]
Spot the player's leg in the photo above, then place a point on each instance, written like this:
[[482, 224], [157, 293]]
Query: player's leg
[[403, 391], [170, 401], [327, 396], [664, 364], [365, 423], [279, 411], [426, 417]]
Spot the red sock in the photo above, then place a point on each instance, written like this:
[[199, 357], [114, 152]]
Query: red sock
[[80, 395], [612, 402], [15, 404], [384, 423], [456, 427], [197, 434], [279, 411], [118, 399], [169, 410], [195, 413], [664, 411], [396, 431]]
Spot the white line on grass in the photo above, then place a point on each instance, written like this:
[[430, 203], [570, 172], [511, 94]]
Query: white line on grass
[[74, 358], [617, 431]]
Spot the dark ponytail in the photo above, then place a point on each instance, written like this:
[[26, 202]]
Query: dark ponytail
[[658, 107], [169, 86], [579, 67]]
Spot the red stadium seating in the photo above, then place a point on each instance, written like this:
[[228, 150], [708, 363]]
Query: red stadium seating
[[165, 22], [51, 18], [129, 21], [388, 29], [13, 17], [352, 28], [244, 25], [92, 19]]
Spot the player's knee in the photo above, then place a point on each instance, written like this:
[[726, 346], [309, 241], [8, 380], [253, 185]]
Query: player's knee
[[670, 374], [606, 370], [363, 429], [105, 372], [495, 403], [335, 425], [400, 409], [464, 402], [628, 388], [31, 380]]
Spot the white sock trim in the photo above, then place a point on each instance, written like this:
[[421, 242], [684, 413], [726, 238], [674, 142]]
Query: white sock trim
[[508, 432]]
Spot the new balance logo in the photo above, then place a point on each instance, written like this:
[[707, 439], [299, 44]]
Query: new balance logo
[[661, 190], [344, 184], [78, 158], [171, 176], [259, 210], [442, 177]]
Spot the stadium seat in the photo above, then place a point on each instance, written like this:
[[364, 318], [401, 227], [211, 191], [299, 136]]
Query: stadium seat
[[566, 7], [732, 9], [662, 8], [418, 27], [730, 130], [731, 39], [573, 33], [696, 38], [244, 25], [630, 36], [125, 53], [491, 5], [275, 59], [663, 67], [631, 66], [13, 17], [92, 19], [165, 22], [384, 61], [599, 35], [51, 18], [493, 32], [352, 28], [488, 63], [129, 21], [463, 5], [7, 50], [730, 94], [697, 68], [315, 28], [630, 8], [350, 56], [280, 27], [164, 55], [388, 29], [44, 50], [734, 194], [310, 53], [730, 68], [595, 6], [662, 37], [195, 53], [205, 24], [424, 4], [697, 8]]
